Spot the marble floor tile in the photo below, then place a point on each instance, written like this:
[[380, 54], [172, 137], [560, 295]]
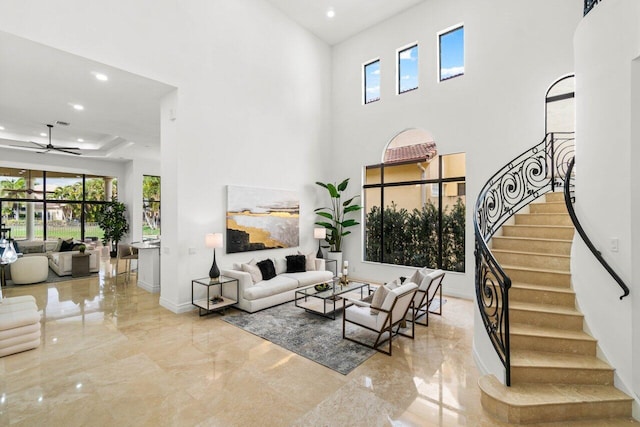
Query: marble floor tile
[[112, 356]]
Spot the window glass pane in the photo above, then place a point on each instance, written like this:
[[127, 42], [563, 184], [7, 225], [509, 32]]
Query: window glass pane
[[451, 53], [91, 229], [65, 220], [403, 172], [373, 229], [372, 82], [454, 165], [20, 184], [94, 188], [408, 69], [453, 220], [15, 216], [150, 207], [65, 186], [372, 175], [410, 227]]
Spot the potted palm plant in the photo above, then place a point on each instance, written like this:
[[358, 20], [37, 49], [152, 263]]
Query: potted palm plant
[[113, 222], [336, 214]]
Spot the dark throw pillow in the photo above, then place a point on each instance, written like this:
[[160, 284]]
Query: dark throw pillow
[[66, 246], [267, 269], [296, 263]]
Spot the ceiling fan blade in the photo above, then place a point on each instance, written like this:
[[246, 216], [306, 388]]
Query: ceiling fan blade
[[28, 148], [66, 150]]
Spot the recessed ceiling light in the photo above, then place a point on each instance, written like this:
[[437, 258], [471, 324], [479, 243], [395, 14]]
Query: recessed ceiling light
[[102, 77], [1, 127], [78, 107], [80, 140], [331, 13], [43, 134]]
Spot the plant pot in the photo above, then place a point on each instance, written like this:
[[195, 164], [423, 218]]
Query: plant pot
[[114, 254], [338, 257]]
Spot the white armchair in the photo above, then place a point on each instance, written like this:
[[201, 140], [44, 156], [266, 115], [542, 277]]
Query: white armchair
[[384, 319], [429, 287]]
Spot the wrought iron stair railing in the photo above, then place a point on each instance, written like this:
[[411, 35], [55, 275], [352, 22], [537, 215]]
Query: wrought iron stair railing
[[588, 5], [568, 199], [535, 172]]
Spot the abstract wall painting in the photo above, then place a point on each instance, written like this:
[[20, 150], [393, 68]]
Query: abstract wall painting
[[261, 218]]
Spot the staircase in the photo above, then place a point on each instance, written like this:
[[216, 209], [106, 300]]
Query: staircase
[[555, 373]]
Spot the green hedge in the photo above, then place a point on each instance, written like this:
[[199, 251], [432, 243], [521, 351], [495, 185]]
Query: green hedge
[[411, 238]]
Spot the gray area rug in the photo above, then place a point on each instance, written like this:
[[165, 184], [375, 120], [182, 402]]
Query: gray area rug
[[52, 277], [309, 335]]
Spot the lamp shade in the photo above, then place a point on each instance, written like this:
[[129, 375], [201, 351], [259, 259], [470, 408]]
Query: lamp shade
[[213, 240], [319, 233]]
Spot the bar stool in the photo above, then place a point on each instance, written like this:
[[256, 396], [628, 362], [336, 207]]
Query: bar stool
[[126, 252]]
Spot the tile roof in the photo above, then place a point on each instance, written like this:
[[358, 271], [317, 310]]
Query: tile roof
[[424, 151]]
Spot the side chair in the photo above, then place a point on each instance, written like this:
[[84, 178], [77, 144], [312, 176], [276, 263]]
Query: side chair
[[430, 286], [382, 320]]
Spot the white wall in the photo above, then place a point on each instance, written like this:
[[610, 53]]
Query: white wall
[[514, 51], [606, 43], [251, 108], [635, 225]]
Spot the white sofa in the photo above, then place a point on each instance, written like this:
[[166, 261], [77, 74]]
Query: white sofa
[[267, 293], [60, 262]]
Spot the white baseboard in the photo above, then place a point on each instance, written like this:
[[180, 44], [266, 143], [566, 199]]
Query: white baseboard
[[149, 287], [177, 308]]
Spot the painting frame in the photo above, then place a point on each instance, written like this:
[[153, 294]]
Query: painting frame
[[261, 218]]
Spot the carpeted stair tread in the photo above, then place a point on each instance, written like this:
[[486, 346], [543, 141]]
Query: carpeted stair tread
[[545, 332], [538, 225], [542, 239], [535, 270], [543, 288], [511, 251], [545, 308], [531, 358], [541, 394]]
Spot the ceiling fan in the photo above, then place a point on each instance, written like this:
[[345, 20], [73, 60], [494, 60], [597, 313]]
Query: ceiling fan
[[50, 146]]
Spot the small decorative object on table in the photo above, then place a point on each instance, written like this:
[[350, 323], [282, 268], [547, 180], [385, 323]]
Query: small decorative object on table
[[82, 248], [214, 240], [344, 277], [322, 287]]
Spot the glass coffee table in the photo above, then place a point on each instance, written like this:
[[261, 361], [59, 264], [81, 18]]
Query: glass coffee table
[[327, 302]]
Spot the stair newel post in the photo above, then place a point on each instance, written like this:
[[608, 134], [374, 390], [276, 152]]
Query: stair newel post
[[553, 161]]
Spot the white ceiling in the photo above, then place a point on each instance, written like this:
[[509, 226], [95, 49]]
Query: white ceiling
[[351, 16], [39, 85], [121, 119]]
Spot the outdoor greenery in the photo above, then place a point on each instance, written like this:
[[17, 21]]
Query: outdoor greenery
[[336, 214], [411, 238], [151, 205], [113, 222]]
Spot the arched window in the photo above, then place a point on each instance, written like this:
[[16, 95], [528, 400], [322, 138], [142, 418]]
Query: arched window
[[415, 205]]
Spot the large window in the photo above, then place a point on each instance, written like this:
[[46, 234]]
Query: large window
[[372, 81], [47, 205], [408, 69], [150, 207], [451, 53], [415, 209]]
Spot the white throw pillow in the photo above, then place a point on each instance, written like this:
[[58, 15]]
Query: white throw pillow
[[310, 261], [378, 298], [252, 268], [417, 277], [281, 265]]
